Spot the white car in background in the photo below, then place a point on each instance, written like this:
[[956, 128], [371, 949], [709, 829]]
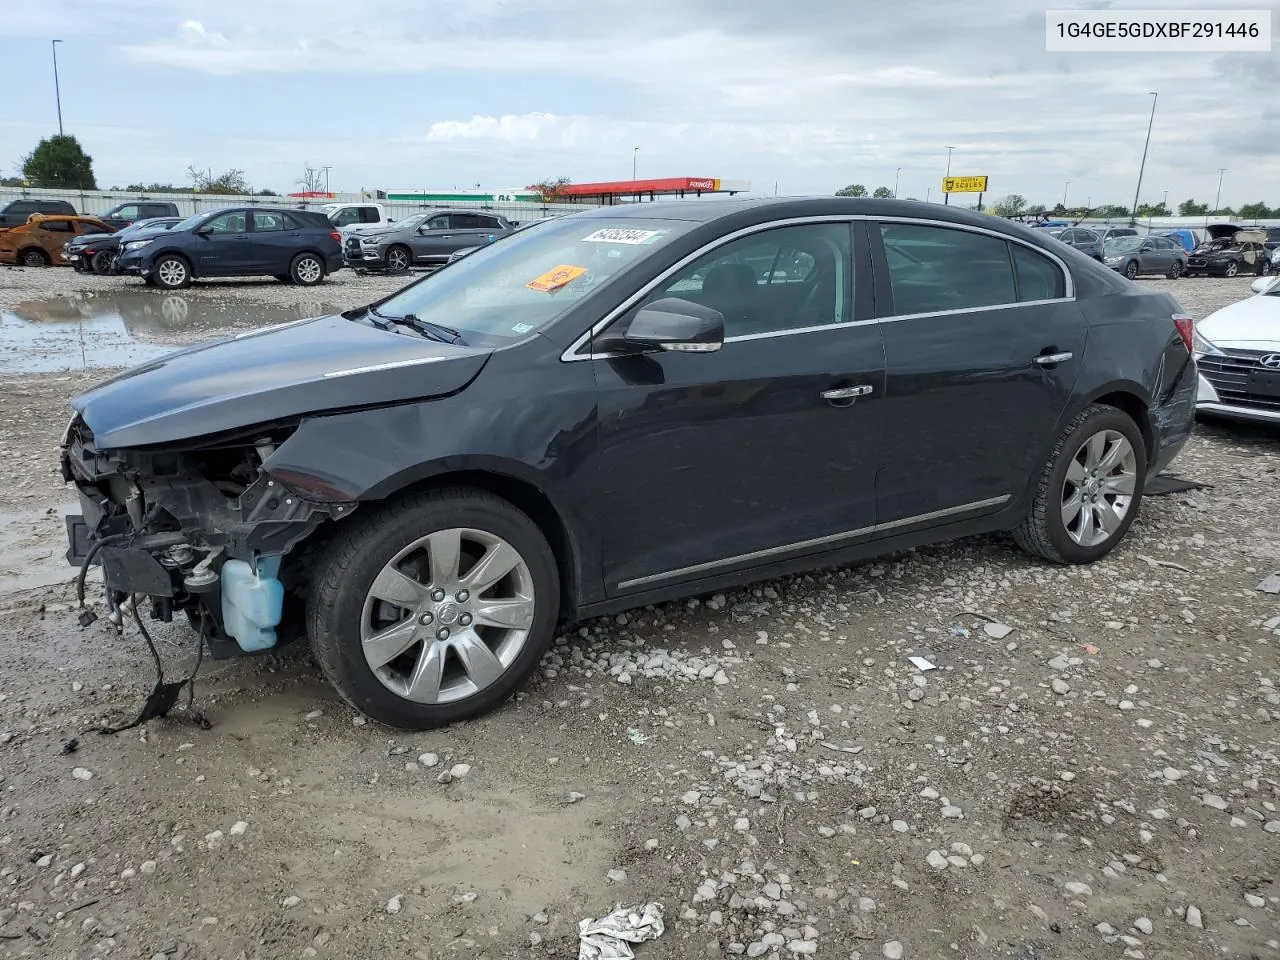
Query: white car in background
[[1238, 352]]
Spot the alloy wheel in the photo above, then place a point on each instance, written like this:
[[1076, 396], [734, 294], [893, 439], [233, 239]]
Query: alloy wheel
[[1233, 268], [1131, 271], [398, 260], [172, 273], [447, 615], [309, 270], [1099, 488]]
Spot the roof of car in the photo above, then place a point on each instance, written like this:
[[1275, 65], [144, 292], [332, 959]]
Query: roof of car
[[41, 217]]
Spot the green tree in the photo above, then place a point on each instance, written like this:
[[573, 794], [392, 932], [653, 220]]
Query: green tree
[[1009, 206], [1189, 208], [852, 190], [233, 182], [1112, 210], [1153, 210], [550, 190], [1222, 212], [59, 161], [1257, 211], [1037, 208], [882, 193], [1058, 209]]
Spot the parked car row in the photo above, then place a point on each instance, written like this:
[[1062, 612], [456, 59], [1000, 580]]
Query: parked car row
[[1220, 249]]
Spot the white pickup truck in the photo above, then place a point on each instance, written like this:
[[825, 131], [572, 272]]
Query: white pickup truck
[[355, 217]]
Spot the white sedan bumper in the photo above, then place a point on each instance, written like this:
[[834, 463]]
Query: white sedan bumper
[[1208, 401]]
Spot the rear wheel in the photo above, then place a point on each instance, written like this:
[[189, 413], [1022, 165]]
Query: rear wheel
[[435, 608], [33, 257], [171, 272], [1131, 269], [398, 259], [1233, 269], [1175, 271], [1090, 490], [306, 270]]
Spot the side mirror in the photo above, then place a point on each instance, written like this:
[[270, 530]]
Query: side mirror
[[204, 231], [677, 325], [1146, 248], [1263, 284]]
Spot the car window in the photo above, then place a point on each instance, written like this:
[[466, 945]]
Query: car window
[[369, 215], [1071, 236], [1037, 277], [465, 221], [940, 268], [231, 222], [91, 226], [128, 213], [787, 278], [152, 210], [490, 223], [267, 222], [290, 223], [57, 226], [437, 223], [344, 218], [1087, 236]]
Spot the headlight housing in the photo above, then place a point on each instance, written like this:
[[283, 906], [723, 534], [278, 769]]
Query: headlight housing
[[1204, 346], [1113, 259], [136, 244]]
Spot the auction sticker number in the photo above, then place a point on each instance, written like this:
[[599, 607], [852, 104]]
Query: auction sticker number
[[621, 235], [556, 277]]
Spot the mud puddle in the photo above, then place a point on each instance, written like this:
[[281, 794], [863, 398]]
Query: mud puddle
[[33, 547], [123, 328]]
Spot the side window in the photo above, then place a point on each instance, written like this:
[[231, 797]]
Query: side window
[[267, 222], [369, 215], [231, 222], [91, 226], [1087, 236], [490, 223], [939, 268], [347, 217], [57, 226], [1038, 277], [290, 223], [437, 223], [465, 221], [152, 210], [787, 278], [128, 213]]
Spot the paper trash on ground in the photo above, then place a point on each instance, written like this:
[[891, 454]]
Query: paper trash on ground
[[610, 938], [920, 663]]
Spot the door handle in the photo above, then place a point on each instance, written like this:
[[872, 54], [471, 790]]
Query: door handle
[[847, 393], [1049, 359]]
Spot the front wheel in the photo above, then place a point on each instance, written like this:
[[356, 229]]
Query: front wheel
[[306, 270], [1233, 269], [1090, 490], [1131, 269], [398, 259], [102, 262], [435, 608], [171, 272], [1175, 271]]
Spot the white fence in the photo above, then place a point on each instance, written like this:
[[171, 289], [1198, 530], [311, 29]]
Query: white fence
[[100, 201]]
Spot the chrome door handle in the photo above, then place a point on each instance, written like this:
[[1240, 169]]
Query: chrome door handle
[[1048, 359], [846, 393]]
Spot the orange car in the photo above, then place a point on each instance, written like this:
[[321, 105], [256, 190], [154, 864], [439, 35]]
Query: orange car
[[38, 242]]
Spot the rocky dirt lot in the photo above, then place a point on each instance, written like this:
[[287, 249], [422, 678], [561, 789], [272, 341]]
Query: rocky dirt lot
[[1093, 769]]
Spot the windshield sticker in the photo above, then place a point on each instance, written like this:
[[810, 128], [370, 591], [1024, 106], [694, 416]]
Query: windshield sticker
[[521, 327], [556, 277], [621, 235]]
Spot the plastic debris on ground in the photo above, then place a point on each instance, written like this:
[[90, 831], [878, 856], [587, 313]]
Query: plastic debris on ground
[[635, 736], [920, 663], [610, 938], [959, 631]]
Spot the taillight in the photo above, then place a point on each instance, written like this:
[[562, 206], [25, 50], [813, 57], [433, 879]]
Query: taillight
[[337, 237], [1186, 329]]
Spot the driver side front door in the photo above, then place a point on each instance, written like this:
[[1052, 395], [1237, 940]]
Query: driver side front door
[[224, 249]]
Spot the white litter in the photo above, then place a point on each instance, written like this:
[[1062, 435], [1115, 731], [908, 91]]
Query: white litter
[[610, 938], [997, 631], [920, 663], [1271, 584]]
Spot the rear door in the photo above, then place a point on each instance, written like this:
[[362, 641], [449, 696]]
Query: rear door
[[275, 238], [983, 341], [762, 460]]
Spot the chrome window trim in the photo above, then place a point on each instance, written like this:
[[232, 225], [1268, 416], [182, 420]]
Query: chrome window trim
[[814, 542], [570, 353]]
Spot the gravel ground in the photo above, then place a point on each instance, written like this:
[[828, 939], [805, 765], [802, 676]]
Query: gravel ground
[[1093, 769]]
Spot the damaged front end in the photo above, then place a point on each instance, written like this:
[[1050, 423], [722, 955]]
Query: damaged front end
[[197, 527]]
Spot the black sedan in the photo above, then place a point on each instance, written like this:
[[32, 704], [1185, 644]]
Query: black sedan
[[297, 246], [622, 407], [97, 252]]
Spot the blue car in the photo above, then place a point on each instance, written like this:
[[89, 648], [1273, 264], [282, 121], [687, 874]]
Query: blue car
[[294, 246]]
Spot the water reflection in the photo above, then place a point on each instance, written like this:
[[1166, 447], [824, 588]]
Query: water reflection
[[123, 328]]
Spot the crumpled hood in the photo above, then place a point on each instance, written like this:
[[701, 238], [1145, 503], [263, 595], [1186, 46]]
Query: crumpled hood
[[304, 367], [1252, 324]]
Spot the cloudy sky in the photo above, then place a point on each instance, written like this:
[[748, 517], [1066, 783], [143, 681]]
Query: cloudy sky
[[805, 96]]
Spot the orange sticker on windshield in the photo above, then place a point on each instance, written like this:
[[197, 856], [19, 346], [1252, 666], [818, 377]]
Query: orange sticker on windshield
[[556, 278]]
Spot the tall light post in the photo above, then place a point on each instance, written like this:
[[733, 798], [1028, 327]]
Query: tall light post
[[1164, 201], [57, 89], [635, 152], [326, 178], [1066, 186], [1133, 215], [1217, 203], [897, 178], [946, 197]]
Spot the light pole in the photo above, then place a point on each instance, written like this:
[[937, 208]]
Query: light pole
[[897, 178], [1217, 203], [635, 151], [57, 89], [1164, 201], [1065, 187], [1133, 215], [928, 192], [946, 197], [326, 178]]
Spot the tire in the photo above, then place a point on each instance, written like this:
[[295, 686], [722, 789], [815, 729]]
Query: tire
[[1175, 271], [1131, 269], [101, 263], [307, 270], [1045, 531], [342, 611], [399, 258], [171, 272], [1233, 269], [34, 257]]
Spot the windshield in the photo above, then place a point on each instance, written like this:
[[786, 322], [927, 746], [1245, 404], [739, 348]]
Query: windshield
[[504, 291], [193, 221], [1123, 244]]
